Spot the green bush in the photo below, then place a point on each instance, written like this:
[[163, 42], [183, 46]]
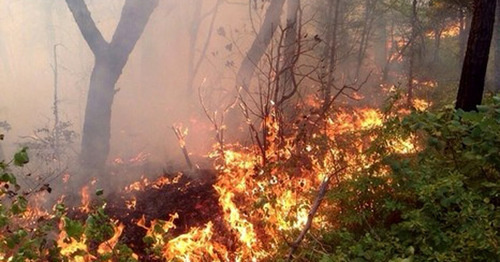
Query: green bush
[[441, 204]]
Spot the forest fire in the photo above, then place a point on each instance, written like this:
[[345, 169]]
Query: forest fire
[[241, 211], [302, 130]]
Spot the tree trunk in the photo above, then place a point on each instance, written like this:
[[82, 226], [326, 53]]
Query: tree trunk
[[193, 63], [330, 52], [2, 156], [412, 52], [496, 69], [470, 92], [380, 46], [287, 84], [437, 45], [260, 44], [110, 58], [370, 6], [464, 17]]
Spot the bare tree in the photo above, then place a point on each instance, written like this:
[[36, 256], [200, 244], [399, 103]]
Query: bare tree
[[412, 51], [110, 58], [197, 19], [470, 92]]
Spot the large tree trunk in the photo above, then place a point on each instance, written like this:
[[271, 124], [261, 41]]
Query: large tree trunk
[[496, 69], [260, 44], [470, 92], [110, 58]]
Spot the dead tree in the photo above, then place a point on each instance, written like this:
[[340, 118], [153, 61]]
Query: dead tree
[[368, 23], [411, 58], [198, 18], [496, 70], [470, 91], [260, 44], [110, 59]]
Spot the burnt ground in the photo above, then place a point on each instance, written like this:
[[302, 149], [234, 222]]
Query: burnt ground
[[191, 196]]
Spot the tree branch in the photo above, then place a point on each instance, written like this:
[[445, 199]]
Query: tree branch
[[134, 17], [87, 26], [317, 202]]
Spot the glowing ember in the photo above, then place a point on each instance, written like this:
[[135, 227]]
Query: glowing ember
[[85, 206], [131, 203], [138, 185]]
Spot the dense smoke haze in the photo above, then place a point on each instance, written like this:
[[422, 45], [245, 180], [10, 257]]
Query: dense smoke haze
[[212, 67], [152, 92], [249, 130]]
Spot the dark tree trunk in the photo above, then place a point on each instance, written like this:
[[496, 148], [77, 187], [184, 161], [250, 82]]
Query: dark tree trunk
[[470, 92], [465, 19], [412, 52], [496, 70], [110, 58], [2, 156], [260, 44]]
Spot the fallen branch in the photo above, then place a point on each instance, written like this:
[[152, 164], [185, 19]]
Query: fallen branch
[[323, 188], [180, 136]]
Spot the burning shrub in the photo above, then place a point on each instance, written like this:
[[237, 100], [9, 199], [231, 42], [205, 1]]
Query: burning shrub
[[441, 204]]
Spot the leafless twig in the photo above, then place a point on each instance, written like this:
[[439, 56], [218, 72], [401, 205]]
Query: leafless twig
[[180, 136], [323, 188]]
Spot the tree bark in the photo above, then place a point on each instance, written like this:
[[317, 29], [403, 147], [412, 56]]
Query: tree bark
[[496, 70], [110, 58], [260, 44], [369, 18], [470, 92], [412, 52]]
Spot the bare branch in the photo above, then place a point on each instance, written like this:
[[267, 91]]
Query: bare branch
[[323, 188]]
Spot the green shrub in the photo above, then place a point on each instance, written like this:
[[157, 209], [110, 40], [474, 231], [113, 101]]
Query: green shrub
[[441, 204]]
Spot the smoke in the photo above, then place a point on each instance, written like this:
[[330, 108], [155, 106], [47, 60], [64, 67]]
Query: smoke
[[153, 92], [152, 88]]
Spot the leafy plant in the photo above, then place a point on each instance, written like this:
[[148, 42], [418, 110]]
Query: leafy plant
[[441, 204]]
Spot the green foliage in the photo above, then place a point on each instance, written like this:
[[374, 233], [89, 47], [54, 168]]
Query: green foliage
[[441, 204], [22, 240], [21, 158], [98, 226]]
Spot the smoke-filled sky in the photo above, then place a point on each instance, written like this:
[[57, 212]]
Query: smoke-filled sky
[[151, 94]]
